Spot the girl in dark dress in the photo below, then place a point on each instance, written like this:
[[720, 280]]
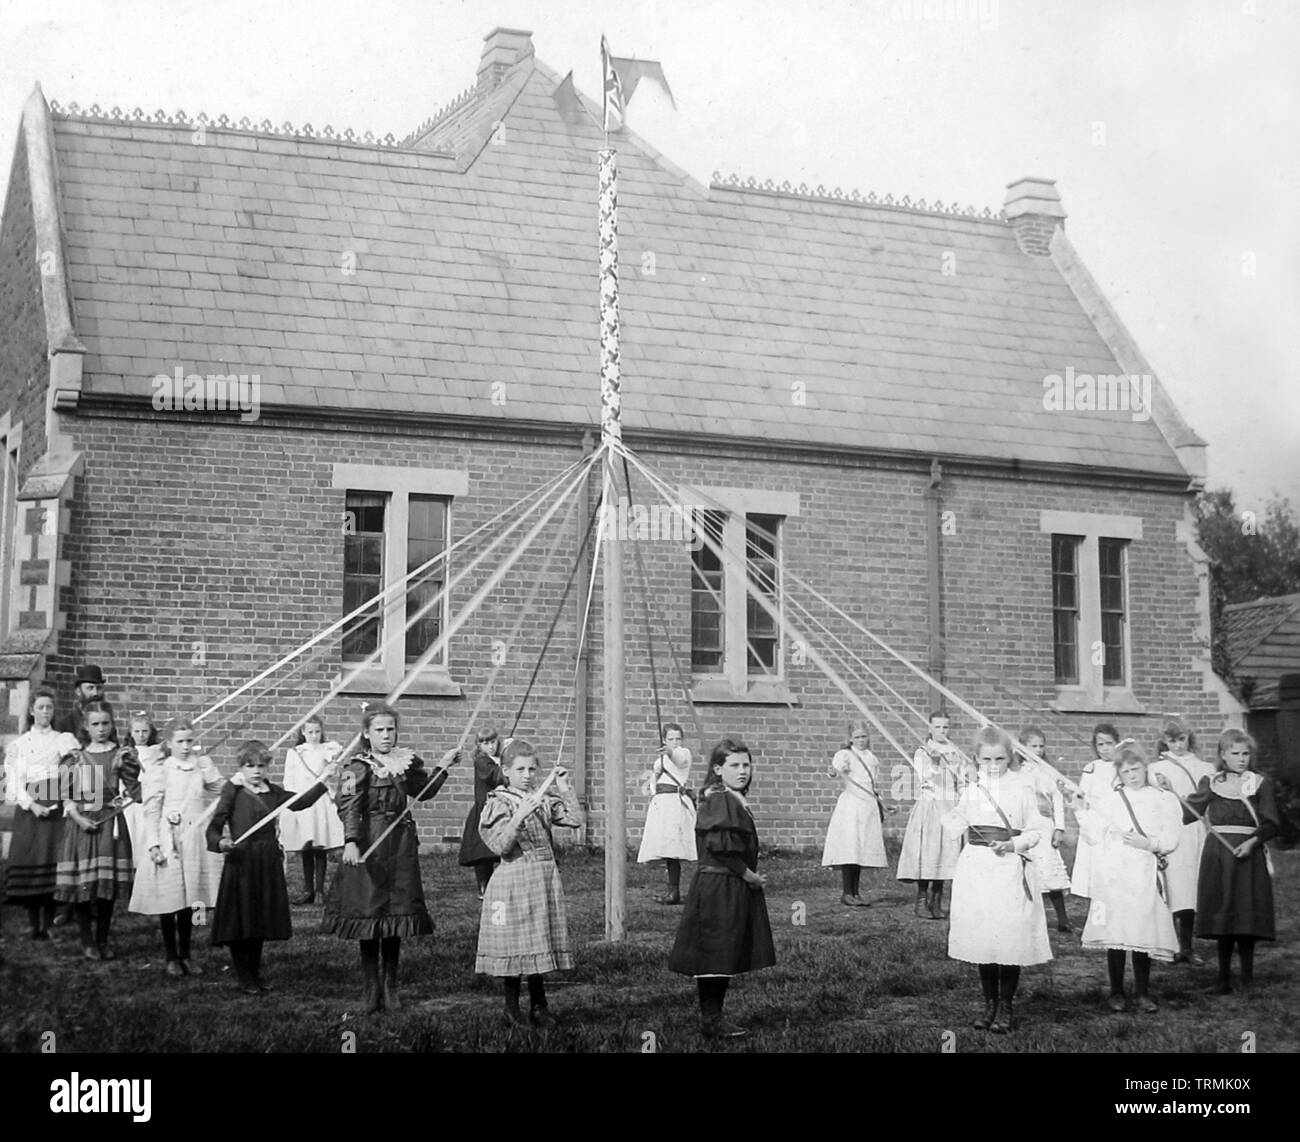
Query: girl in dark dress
[[380, 900], [1234, 891], [724, 929], [474, 853], [253, 900]]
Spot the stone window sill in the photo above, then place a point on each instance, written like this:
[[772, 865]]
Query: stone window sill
[[1113, 700], [757, 692], [375, 681]]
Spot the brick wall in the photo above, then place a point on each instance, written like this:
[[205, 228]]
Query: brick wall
[[203, 552]]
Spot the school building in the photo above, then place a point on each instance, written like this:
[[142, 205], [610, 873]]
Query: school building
[[249, 374]]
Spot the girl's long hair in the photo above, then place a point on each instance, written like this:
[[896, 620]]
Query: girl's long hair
[[1231, 737], [100, 706], [301, 737], [717, 756]]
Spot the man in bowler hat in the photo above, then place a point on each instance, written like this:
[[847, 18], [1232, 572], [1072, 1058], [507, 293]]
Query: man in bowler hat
[[89, 686]]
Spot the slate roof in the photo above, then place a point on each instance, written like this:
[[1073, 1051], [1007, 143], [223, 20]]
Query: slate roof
[[1263, 642], [479, 265]]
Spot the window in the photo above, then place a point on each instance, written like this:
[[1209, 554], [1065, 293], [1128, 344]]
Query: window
[[1065, 607], [426, 537], [762, 566], [736, 644], [395, 521], [1090, 603], [708, 597], [363, 572], [1110, 561]]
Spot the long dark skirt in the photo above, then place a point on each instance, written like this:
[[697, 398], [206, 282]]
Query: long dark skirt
[[384, 897], [724, 928], [33, 857], [472, 847], [252, 901], [1233, 897]]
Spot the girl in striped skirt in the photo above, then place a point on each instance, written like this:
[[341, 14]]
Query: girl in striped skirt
[[522, 929], [33, 766], [95, 862]]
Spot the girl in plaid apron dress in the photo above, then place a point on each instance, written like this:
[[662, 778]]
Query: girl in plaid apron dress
[[522, 929], [177, 873]]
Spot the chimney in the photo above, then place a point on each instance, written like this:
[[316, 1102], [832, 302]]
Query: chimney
[[502, 49], [1034, 210]]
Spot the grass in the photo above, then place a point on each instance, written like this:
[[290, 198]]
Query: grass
[[862, 980]]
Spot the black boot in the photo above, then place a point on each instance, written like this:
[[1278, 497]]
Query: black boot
[[989, 988], [1062, 917], [373, 996], [391, 947], [538, 1014], [103, 921], [512, 988], [935, 902], [1008, 978], [308, 878], [243, 973]]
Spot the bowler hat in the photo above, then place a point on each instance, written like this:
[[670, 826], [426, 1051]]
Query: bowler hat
[[88, 673]]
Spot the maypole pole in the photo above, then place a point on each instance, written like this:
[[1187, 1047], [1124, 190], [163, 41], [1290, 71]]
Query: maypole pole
[[611, 433]]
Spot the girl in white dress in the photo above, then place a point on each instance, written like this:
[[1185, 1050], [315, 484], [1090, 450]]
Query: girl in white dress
[[179, 873], [1053, 877], [855, 838], [316, 830], [149, 752], [929, 853], [669, 833], [997, 921], [1098, 773], [1183, 770], [1131, 827]]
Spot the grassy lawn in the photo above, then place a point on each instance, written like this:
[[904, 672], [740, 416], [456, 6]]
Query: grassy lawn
[[874, 980]]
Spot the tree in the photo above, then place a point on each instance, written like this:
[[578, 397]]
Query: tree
[[1250, 558]]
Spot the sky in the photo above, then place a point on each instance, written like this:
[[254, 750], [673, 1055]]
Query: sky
[[1170, 127]]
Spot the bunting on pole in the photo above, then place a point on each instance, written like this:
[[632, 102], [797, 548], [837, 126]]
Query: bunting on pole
[[611, 398]]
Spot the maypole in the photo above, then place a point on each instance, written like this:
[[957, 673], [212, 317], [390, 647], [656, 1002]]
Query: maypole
[[611, 433]]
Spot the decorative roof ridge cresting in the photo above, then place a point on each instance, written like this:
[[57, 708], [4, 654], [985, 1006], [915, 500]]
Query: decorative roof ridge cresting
[[223, 123], [852, 198], [437, 117]]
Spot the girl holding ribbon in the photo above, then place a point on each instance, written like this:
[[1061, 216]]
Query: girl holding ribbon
[[1132, 827]]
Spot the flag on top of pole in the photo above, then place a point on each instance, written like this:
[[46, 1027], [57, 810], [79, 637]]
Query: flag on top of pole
[[612, 84]]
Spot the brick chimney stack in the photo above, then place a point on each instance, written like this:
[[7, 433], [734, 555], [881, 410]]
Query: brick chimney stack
[[502, 49], [1034, 210]]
